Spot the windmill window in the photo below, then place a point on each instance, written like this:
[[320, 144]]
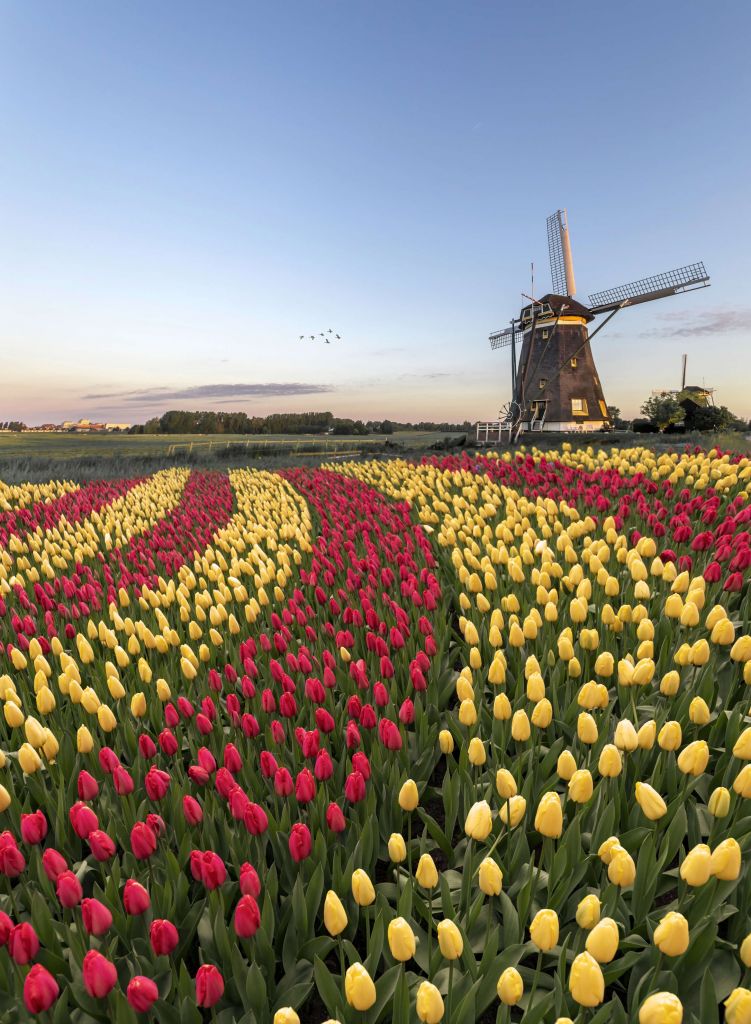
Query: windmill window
[[604, 410], [545, 334], [579, 407], [543, 383], [573, 362]]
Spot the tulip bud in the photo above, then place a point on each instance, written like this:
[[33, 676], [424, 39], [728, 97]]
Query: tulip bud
[[510, 987], [490, 877], [671, 934], [694, 758], [409, 798], [586, 983], [446, 741], [588, 912], [625, 736], [397, 848], [745, 951], [719, 802], [586, 728], [661, 1008], [479, 823], [514, 808], [726, 861], [549, 816], [621, 869], [476, 752], [610, 763], [699, 713], [427, 873], [650, 801], [505, 783], [401, 938], [566, 765], [696, 866], [450, 940], [602, 941], [362, 888], [286, 1015], [544, 930], [580, 786], [334, 914], [646, 735], [359, 988]]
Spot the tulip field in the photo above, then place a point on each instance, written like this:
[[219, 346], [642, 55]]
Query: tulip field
[[465, 739]]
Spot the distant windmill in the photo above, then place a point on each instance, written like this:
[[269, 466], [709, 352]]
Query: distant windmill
[[555, 385]]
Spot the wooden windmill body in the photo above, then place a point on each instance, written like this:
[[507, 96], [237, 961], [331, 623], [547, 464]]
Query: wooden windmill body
[[555, 385]]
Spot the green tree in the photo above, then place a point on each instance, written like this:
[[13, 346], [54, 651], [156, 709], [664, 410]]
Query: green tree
[[663, 410]]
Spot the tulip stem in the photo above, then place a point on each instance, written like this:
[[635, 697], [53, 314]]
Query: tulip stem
[[341, 955], [448, 997], [430, 931], [538, 968], [656, 972]]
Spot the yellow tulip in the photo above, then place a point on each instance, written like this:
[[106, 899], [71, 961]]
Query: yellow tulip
[[661, 1008], [334, 914], [586, 728], [694, 758], [286, 1015], [359, 988], [28, 758], [409, 798], [586, 983], [610, 763], [514, 808], [427, 873], [510, 987], [670, 736], [650, 801], [397, 848], [580, 786], [738, 1006], [5, 800], [446, 741], [588, 912], [362, 888], [401, 938], [621, 869], [719, 802], [479, 823], [696, 867], [138, 705], [544, 929], [726, 860], [566, 765], [520, 728], [476, 752], [671, 935], [467, 713], [625, 736], [505, 783], [490, 877], [450, 940], [549, 816], [602, 941], [429, 1005]]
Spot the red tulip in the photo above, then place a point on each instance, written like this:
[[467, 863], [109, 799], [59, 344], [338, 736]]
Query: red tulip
[[192, 810], [305, 786], [12, 861], [300, 842], [142, 993], [335, 818], [209, 985], [99, 975], [164, 937], [156, 783], [88, 787], [232, 760], [268, 763], [354, 787], [142, 841], [283, 784], [97, 918], [40, 989], [6, 925], [102, 846], [69, 891], [207, 760], [256, 819], [122, 781], [247, 917], [168, 742], [136, 899], [146, 746], [33, 827], [108, 760], [23, 943], [53, 863], [250, 884], [83, 819]]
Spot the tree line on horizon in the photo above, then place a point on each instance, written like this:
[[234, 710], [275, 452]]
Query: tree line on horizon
[[180, 421]]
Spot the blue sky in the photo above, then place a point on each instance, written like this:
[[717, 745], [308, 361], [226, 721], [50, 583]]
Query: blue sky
[[187, 187]]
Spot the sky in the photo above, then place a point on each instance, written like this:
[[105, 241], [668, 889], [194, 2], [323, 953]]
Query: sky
[[185, 188]]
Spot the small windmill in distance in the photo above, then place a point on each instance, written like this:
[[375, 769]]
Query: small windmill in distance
[[555, 385]]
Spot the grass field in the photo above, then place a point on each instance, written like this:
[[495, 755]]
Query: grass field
[[38, 456]]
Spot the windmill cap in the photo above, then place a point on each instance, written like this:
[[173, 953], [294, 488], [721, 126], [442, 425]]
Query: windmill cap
[[557, 302]]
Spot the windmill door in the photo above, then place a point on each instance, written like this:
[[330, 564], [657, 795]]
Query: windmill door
[[539, 411]]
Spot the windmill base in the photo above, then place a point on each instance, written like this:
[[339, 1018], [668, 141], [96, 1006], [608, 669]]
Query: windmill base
[[504, 432]]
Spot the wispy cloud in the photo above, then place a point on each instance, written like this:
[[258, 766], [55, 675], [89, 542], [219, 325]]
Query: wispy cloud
[[201, 392], [699, 325]]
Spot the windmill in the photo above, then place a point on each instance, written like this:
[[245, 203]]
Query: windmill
[[555, 385]]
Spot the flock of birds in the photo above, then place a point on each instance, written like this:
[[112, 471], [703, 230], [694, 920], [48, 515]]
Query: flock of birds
[[323, 335]]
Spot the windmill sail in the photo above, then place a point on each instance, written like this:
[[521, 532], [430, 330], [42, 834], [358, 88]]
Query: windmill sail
[[684, 279], [559, 251]]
